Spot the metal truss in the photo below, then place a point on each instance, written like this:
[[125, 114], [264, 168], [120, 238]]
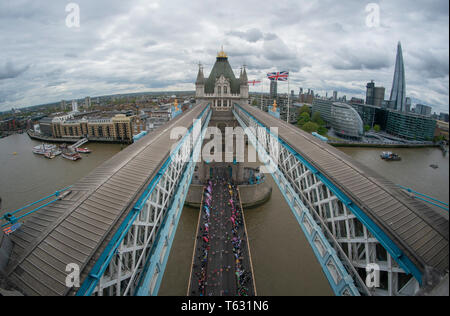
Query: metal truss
[[136, 259], [316, 207]]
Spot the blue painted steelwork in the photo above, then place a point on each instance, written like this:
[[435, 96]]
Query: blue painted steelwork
[[275, 114], [164, 239], [322, 138], [139, 136], [103, 261], [11, 219], [175, 113], [340, 281], [427, 198], [404, 262]]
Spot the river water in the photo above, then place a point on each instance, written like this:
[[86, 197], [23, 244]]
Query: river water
[[283, 261], [26, 177], [413, 171]]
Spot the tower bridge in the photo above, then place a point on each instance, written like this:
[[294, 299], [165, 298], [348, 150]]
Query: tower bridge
[[118, 223]]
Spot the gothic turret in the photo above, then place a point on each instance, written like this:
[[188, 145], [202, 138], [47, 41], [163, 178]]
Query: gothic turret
[[244, 84], [244, 78], [200, 83], [200, 76]]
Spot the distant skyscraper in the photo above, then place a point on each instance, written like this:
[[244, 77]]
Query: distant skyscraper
[[335, 95], [273, 89], [443, 117], [423, 109], [87, 102], [398, 92], [374, 95], [370, 93], [408, 105], [74, 106]]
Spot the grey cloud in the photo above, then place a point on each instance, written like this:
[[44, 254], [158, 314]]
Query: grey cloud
[[70, 55], [252, 35], [10, 71], [150, 43], [431, 64], [357, 59], [140, 45]]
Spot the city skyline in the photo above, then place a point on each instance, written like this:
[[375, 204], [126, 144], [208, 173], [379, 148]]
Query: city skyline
[[159, 51]]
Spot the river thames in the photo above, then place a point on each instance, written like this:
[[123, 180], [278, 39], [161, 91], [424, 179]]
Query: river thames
[[283, 261]]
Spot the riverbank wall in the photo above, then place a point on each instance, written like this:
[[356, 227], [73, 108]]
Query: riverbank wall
[[74, 140], [365, 145]]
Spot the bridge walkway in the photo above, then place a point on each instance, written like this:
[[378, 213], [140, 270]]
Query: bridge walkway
[[221, 262], [77, 228], [420, 232]]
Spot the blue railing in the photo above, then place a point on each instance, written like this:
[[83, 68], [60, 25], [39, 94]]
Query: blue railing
[[159, 254], [11, 219], [103, 261], [340, 280], [397, 254], [426, 198]]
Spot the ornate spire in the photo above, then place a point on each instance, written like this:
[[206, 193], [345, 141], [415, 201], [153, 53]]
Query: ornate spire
[[200, 76], [244, 78], [222, 54]]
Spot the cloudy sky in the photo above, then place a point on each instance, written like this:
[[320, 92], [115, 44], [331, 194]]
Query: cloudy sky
[[154, 45]]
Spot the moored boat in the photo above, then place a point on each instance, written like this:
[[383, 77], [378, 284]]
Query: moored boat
[[83, 150], [49, 155], [71, 156], [43, 149], [390, 156]]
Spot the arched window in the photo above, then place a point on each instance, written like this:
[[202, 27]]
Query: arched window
[[225, 90], [219, 90]]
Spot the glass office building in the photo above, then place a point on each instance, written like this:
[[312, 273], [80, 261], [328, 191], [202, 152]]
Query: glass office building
[[372, 115], [410, 126], [323, 107], [346, 122]]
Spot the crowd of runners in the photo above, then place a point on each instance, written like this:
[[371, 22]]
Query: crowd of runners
[[222, 266]]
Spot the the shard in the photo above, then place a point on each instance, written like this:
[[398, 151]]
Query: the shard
[[398, 92]]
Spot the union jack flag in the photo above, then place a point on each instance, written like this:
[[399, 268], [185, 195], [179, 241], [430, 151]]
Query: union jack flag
[[280, 76]]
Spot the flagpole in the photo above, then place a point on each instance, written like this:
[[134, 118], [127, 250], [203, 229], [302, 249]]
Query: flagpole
[[262, 89], [289, 94]]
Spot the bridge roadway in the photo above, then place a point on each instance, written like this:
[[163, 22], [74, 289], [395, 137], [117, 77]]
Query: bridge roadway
[[415, 228], [77, 228], [221, 264]]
